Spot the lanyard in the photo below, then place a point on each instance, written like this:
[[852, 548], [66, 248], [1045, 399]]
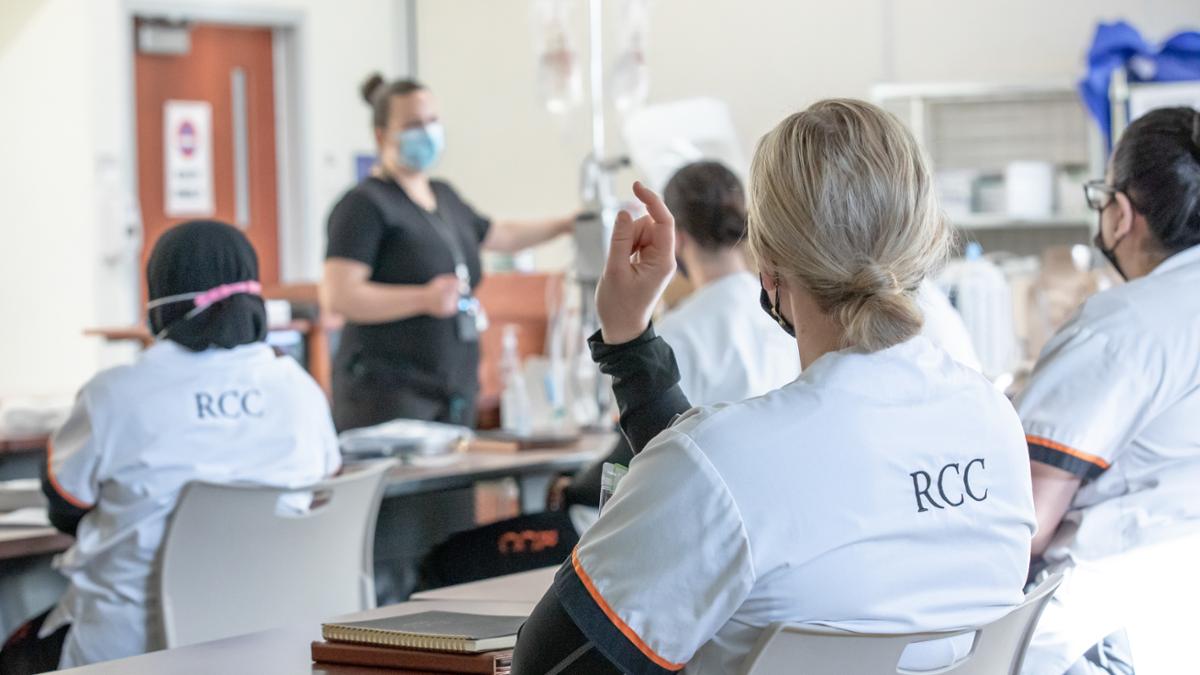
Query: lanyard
[[461, 270], [442, 228]]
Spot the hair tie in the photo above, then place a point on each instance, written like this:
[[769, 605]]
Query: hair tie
[[214, 295], [203, 299]]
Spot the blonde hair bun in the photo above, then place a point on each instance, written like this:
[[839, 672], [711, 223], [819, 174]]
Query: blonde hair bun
[[842, 202]]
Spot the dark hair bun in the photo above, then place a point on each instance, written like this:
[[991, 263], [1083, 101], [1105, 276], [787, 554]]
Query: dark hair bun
[[708, 203], [371, 87], [1157, 163]]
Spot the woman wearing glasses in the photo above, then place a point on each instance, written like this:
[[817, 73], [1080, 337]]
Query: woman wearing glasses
[[1112, 418]]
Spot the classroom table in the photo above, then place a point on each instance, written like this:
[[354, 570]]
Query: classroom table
[[16, 443], [509, 588], [423, 506], [18, 542], [27, 583], [281, 651], [533, 469], [22, 455], [418, 511]]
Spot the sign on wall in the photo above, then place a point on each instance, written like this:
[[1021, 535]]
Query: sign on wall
[[187, 130]]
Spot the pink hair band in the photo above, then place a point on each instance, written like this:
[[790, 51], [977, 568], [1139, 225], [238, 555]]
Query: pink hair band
[[219, 293]]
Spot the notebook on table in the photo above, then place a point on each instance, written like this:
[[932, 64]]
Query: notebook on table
[[400, 660], [436, 631]]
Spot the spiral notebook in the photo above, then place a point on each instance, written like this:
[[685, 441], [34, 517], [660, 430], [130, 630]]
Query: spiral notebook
[[435, 631]]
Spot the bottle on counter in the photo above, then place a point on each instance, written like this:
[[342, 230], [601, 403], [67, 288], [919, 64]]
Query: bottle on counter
[[515, 406]]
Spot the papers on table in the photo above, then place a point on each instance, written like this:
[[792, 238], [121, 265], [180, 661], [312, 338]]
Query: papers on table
[[32, 516], [17, 494]]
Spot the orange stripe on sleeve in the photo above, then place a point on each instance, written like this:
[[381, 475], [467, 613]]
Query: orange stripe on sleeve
[[70, 499], [616, 620], [1077, 454]]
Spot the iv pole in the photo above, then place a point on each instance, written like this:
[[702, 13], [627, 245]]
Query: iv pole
[[593, 230], [596, 76]]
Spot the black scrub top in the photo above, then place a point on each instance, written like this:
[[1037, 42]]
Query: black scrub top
[[422, 355]]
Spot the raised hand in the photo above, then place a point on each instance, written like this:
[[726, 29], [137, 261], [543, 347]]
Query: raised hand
[[640, 263]]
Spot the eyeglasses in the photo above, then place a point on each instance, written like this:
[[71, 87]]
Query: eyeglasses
[[1098, 194]]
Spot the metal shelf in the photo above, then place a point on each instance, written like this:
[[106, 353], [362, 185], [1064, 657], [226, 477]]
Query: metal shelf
[[993, 221]]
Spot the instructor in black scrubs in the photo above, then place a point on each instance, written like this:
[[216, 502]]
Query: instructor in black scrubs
[[401, 266]]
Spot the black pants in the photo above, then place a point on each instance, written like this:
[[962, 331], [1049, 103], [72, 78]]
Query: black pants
[[364, 397], [25, 653]]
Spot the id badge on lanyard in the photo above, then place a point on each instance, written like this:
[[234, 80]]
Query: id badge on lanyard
[[470, 320]]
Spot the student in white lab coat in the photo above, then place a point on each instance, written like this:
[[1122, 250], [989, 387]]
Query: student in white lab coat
[[726, 348], [1111, 416], [208, 401], [885, 490]]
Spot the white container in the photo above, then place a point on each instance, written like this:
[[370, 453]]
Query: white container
[[1029, 189], [956, 190], [981, 294], [279, 313]]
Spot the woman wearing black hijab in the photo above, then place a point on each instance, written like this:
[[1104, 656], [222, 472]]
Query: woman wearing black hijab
[[208, 401], [195, 257]]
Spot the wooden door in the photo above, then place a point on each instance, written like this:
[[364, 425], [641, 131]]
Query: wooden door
[[230, 69]]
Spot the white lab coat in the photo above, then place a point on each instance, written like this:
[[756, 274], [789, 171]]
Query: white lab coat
[[726, 347], [136, 436], [1115, 399], [882, 492]]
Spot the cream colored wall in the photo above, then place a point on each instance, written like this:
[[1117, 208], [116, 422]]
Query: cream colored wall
[[66, 153], [46, 198], [765, 58]]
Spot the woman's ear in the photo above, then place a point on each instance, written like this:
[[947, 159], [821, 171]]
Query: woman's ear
[[682, 241], [1123, 224], [380, 137], [769, 281]]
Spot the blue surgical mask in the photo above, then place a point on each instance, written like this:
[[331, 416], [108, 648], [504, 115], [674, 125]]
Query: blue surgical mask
[[420, 148]]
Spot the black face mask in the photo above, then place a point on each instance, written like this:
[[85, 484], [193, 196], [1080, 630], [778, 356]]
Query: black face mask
[[1108, 253], [773, 311], [682, 268]]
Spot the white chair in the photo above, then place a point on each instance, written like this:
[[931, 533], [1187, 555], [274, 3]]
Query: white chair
[[236, 560], [998, 648]]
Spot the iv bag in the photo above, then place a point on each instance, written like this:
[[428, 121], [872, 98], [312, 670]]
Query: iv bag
[[559, 80], [629, 80]]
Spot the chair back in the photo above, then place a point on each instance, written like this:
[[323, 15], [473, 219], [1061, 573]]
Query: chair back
[[998, 648], [241, 558]]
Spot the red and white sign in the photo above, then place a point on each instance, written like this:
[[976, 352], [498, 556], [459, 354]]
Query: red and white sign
[[187, 131]]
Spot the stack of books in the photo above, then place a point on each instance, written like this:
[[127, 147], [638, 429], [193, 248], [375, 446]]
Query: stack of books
[[428, 642]]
